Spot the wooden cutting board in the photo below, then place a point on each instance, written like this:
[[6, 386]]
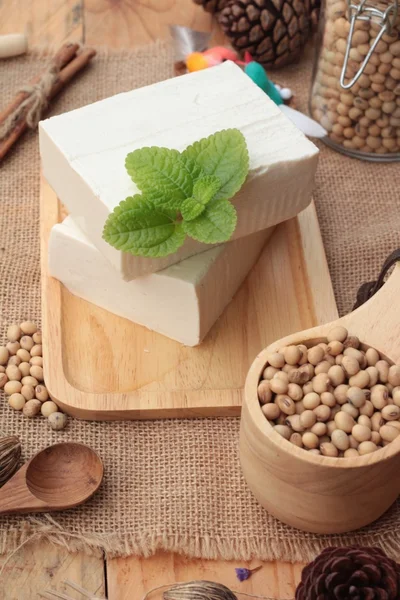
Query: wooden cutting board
[[100, 366]]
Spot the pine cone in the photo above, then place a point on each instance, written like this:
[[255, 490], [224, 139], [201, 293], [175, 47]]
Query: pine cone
[[272, 31], [353, 573], [313, 10], [212, 6]]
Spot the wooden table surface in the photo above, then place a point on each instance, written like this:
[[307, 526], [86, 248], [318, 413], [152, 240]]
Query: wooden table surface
[[117, 24]]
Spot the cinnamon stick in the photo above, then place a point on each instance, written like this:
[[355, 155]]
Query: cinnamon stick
[[65, 75], [70, 70], [60, 59]]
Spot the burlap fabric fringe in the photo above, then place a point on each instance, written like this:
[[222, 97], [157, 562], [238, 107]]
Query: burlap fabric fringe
[[177, 485]]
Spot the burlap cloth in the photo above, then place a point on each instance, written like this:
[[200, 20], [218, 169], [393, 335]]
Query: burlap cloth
[[174, 484]]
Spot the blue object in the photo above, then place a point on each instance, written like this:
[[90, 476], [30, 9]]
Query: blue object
[[242, 573], [258, 75]]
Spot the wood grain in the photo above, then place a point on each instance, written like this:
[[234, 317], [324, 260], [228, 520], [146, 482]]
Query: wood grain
[[47, 23], [130, 578], [123, 23], [302, 489], [151, 376], [112, 23], [42, 565]]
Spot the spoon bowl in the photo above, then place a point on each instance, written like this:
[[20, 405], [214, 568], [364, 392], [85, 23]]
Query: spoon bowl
[[318, 493], [59, 477]]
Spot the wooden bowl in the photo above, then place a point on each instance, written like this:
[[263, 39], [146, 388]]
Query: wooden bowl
[[316, 493]]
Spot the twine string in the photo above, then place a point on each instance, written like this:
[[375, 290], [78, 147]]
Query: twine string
[[34, 104]]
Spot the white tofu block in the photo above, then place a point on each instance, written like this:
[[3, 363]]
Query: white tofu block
[[182, 302], [83, 153]]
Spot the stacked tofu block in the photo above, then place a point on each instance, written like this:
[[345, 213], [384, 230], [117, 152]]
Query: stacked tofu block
[[83, 157]]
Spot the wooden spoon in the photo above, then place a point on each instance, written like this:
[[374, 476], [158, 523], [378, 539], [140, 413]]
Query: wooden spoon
[[59, 477], [318, 493]]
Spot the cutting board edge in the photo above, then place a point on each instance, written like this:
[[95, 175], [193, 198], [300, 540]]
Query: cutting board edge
[[138, 404]]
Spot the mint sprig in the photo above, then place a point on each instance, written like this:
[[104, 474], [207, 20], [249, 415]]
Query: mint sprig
[[183, 193]]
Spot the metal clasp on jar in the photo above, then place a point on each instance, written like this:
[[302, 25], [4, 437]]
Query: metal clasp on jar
[[363, 12]]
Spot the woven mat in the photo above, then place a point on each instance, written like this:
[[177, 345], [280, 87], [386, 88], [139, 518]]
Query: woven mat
[[177, 485]]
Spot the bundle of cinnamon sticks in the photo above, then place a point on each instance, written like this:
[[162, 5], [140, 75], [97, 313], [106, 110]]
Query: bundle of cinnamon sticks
[[66, 63]]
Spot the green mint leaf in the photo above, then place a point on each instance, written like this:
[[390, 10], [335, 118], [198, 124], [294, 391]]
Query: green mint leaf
[[168, 246], [191, 209], [215, 225], [163, 198], [192, 167], [204, 191], [162, 168], [141, 228], [205, 188], [223, 155]]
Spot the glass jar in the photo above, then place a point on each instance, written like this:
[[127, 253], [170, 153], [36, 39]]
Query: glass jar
[[355, 91]]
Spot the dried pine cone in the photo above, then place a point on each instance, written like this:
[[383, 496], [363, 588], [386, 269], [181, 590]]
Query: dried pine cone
[[313, 9], [272, 31], [353, 573], [212, 6]]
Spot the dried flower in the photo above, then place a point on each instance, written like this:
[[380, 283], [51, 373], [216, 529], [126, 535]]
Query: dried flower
[[242, 573]]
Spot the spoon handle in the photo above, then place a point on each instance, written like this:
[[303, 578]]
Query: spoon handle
[[15, 496], [377, 322]]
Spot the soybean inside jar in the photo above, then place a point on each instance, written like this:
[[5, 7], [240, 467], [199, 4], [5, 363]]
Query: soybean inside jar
[[355, 91]]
